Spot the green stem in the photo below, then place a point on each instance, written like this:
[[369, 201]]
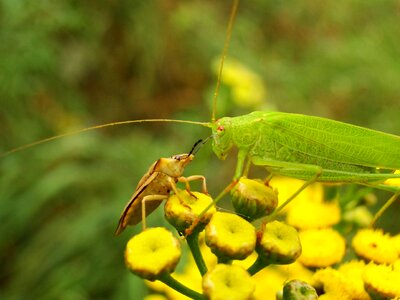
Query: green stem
[[193, 242], [257, 266], [176, 285]]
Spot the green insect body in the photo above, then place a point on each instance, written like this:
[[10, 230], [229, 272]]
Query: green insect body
[[301, 146]]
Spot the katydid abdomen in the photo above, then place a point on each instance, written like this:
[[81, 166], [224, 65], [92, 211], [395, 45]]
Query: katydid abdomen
[[300, 146]]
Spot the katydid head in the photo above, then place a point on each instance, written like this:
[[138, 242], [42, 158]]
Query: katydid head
[[222, 139]]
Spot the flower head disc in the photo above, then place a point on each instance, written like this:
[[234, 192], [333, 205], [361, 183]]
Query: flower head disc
[[183, 209], [230, 236], [152, 252], [321, 247], [382, 281], [228, 282], [374, 245], [279, 243], [312, 213]]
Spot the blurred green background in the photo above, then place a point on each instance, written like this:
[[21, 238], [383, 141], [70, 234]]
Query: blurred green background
[[65, 65]]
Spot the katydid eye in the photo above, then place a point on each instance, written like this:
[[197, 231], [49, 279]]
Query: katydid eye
[[220, 129]]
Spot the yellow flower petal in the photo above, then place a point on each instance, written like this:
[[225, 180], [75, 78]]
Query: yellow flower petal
[[393, 181], [230, 236], [183, 209], [312, 213], [279, 243], [321, 247], [374, 245], [382, 280], [152, 252], [337, 285], [228, 282], [287, 186]]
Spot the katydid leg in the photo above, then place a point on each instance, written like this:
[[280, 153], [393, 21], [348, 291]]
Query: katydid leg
[[385, 206], [282, 165]]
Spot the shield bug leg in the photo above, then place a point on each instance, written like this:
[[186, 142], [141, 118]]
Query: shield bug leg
[[145, 201], [186, 181]]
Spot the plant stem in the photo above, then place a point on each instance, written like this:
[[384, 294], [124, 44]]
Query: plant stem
[[257, 266], [176, 285], [193, 242]]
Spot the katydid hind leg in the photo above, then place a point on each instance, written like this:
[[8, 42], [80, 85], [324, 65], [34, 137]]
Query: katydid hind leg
[[388, 203], [316, 172]]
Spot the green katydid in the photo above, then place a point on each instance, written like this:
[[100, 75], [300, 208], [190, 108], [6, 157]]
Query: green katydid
[[298, 146]]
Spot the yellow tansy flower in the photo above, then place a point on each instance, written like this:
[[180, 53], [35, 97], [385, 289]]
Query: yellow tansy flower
[[271, 280], [287, 186], [382, 280], [353, 272], [374, 245], [338, 285], [279, 243], [393, 181], [228, 282], [248, 90], [229, 236], [313, 213], [152, 252], [183, 209], [396, 243], [321, 247]]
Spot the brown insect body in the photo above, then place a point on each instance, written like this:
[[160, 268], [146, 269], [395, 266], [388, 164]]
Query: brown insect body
[[155, 186]]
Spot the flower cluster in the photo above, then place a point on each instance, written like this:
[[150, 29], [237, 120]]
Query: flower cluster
[[301, 257]]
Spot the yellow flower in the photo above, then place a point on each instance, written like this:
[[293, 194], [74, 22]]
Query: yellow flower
[[230, 236], [374, 245], [189, 276], [382, 280], [152, 252], [183, 209], [340, 284], [253, 199], [396, 243], [321, 247], [353, 272], [359, 215], [270, 280], [279, 243], [393, 181], [247, 87], [313, 213], [228, 282], [287, 186], [155, 297]]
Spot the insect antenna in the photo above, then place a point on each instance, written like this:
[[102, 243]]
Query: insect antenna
[[224, 53], [56, 137], [196, 147]]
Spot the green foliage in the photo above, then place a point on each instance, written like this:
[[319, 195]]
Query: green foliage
[[69, 64]]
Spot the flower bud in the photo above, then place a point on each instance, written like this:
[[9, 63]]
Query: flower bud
[[279, 243], [228, 282], [253, 199], [152, 252], [299, 290], [230, 236], [183, 209]]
